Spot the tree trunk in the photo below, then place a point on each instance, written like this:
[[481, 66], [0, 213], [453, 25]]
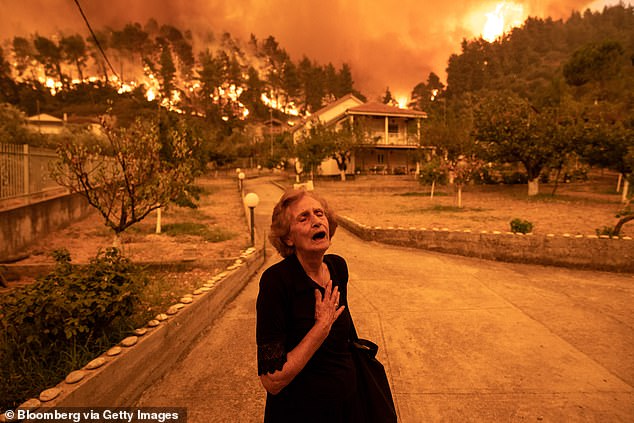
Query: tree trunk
[[343, 175], [618, 182], [433, 186], [621, 222], [460, 196], [533, 187], [626, 188], [116, 241], [556, 182], [158, 220]]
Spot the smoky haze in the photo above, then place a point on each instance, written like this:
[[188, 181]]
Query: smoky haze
[[387, 44]]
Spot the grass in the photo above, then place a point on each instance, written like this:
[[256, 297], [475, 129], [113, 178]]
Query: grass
[[422, 194], [209, 234]]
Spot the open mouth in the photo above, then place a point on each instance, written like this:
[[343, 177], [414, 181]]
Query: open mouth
[[318, 236]]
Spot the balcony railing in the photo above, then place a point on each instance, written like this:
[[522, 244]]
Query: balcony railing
[[396, 139]]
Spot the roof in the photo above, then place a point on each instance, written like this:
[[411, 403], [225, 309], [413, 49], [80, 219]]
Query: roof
[[44, 118], [380, 109], [337, 103]]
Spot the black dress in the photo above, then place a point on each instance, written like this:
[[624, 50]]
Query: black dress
[[324, 390]]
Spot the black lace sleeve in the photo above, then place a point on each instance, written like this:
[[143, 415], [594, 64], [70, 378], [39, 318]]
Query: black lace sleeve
[[271, 357], [271, 326]]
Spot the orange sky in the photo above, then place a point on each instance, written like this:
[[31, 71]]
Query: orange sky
[[387, 43]]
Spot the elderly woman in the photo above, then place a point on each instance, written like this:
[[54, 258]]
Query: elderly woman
[[303, 325]]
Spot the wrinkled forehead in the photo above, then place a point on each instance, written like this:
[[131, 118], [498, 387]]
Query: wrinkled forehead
[[304, 205]]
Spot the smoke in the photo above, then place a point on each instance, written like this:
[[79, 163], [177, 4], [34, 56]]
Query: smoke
[[387, 44]]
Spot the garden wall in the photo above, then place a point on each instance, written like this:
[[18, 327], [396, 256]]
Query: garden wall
[[20, 226], [579, 251]]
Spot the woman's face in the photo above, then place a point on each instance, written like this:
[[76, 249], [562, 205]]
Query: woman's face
[[309, 231]]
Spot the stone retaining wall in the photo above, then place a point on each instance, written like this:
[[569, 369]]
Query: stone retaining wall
[[585, 252], [122, 374], [20, 226]]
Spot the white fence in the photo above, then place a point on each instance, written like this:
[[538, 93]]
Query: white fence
[[25, 170]]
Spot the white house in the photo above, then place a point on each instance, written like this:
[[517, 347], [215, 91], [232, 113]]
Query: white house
[[45, 124], [394, 135]]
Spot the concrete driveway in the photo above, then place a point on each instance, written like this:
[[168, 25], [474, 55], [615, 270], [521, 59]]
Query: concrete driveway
[[462, 339]]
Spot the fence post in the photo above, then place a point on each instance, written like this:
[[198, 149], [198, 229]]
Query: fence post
[[27, 165]]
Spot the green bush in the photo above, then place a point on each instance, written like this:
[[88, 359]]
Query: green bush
[[606, 230], [432, 171], [62, 320], [521, 226]]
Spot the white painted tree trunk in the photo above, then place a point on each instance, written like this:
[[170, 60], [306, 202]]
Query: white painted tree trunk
[[533, 187], [343, 175], [460, 196], [626, 188], [618, 182], [158, 220], [116, 242], [433, 186]]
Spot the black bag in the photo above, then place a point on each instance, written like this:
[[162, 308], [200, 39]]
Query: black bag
[[373, 388]]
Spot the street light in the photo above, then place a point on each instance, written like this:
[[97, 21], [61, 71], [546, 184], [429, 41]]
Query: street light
[[252, 200], [241, 177]]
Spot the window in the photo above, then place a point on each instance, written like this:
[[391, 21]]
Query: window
[[380, 159], [392, 127]]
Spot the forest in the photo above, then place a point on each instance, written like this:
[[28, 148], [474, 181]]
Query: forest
[[543, 94]]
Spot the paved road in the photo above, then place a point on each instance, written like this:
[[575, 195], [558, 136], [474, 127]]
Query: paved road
[[462, 339]]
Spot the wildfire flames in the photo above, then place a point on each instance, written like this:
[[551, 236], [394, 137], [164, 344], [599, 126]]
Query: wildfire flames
[[227, 94], [505, 17]]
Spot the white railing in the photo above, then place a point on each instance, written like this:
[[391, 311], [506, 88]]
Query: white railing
[[24, 170]]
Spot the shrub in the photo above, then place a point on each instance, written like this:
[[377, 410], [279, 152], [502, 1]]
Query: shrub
[[432, 172], [515, 178], [606, 230], [62, 320], [521, 226]]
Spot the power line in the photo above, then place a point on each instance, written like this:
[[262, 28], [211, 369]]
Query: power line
[[97, 43]]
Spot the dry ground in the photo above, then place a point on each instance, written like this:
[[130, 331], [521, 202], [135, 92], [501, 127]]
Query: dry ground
[[577, 208], [220, 211]]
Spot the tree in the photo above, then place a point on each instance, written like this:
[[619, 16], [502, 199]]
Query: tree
[[509, 129], [595, 62], [387, 97], [344, 140], [24, 54], [316, 146], [74, 52], [313, 85], [124, 177], [12, 126], [345, 83], [167, 71], [103, 41], [49, 54]]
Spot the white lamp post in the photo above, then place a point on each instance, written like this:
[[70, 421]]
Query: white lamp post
[[252, 200], [241, 177]]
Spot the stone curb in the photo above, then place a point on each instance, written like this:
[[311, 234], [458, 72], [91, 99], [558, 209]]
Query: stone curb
[[119, 376], [585, 252]]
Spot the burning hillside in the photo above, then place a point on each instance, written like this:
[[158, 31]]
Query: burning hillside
[[219, 74]]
